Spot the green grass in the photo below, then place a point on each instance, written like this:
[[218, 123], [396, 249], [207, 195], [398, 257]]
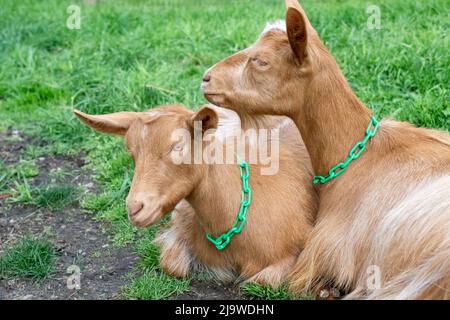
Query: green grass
[[21, 171], [255, 291], [154, 285], [136, 54], [29, 258], [15, 181], [54, 197], [26, 169]]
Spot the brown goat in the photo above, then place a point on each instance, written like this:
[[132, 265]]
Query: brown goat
[[206, 197], [383, 226]]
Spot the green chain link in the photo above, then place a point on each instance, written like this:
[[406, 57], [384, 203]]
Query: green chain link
[[224, 239], [354, 153]]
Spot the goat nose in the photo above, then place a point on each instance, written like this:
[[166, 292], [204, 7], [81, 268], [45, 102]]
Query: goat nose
[[206, 77], [135, 209]]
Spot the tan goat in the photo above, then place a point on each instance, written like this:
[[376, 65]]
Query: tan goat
[[383, 226], [206, 197]]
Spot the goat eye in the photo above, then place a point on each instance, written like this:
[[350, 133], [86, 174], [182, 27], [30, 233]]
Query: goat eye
[[177, 147], [262, 63], [259, 62]]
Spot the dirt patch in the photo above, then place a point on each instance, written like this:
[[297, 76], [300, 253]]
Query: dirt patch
[[79, 239]]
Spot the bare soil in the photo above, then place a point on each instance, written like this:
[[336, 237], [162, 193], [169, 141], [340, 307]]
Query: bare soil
[[78, 237]]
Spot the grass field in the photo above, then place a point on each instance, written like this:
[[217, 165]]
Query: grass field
[[135, 54]]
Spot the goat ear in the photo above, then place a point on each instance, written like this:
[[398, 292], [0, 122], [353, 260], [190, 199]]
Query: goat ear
[[297, 28], [115, 123], [207, 116], [293, 4]]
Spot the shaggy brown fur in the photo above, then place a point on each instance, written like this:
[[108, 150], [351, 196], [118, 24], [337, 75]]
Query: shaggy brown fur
[[390, 211]]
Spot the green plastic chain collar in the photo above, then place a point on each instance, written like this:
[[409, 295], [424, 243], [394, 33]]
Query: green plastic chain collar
[[354, 154], [223, 240]]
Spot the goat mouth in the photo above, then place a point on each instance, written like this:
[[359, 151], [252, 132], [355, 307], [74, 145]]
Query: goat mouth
[[150, 218], [212, 94]]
